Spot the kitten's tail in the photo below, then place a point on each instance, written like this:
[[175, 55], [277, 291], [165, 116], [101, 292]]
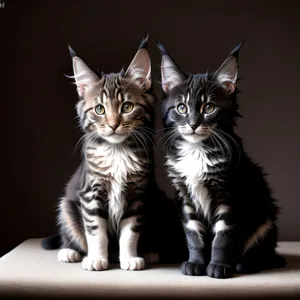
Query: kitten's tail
[[51, 242]]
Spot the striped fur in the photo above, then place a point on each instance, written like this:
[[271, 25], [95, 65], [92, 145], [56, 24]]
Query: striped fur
[[227, 208], [106, 196]]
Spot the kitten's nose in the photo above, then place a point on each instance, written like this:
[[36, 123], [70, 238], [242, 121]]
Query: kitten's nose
[[194, 126], [113, 127]]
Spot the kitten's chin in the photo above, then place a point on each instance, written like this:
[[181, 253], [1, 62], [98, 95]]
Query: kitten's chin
[[116, 138], [194, 138]]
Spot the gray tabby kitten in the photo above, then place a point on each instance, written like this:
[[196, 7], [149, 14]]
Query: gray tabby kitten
[[228, 210], [106, 196]]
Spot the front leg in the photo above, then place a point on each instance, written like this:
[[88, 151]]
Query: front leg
[[226, 246], [198, 252], [94, 217], [195, 234], [129, 237], [130, 227]]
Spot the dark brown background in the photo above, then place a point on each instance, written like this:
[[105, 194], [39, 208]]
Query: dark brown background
[[38, 126]]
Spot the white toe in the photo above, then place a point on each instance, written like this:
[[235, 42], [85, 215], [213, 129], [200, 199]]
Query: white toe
[[68, 255], [132, 263], [95, 263]]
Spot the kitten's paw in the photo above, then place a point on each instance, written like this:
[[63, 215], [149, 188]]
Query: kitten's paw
[[193, 269], [151, 258], [219, 271], [132, 263], [68, 255], [95, 263]]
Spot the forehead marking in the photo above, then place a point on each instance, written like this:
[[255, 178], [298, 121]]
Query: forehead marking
[[98, 99], [203, 98], [119, 96], [188, 97], [104, 96]]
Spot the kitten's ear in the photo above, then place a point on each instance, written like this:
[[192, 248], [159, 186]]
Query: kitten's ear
[[227, 74], [171, 75], [139, 69], [84, 76]]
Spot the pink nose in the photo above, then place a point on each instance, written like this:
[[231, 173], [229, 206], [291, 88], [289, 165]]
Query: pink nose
[[113, 127]]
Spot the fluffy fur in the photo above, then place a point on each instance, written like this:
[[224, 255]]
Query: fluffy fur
[[111, 203], [227, 209]]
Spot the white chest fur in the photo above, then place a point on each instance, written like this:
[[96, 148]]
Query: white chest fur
[[192, 163], [117, 162]]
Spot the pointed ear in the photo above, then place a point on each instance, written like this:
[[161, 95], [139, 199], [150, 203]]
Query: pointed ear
[[171, 75], [84, 76], [227, 74], [139, 69]]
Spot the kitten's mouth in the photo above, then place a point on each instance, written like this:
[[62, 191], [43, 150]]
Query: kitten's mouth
[[195, 137], [203, 133], [116, 138]]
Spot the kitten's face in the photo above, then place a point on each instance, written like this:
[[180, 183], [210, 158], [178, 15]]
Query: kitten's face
[[196, 106], [115, 106]]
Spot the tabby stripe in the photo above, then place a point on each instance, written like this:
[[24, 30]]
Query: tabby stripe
[[91, 228], [96, 212], [96, 187], [97, 167], [145, 107], [98, 174], [133, 212], [167, 113], [86, 190], [87, 220], [86, 111], [191, 216], [137, 228]]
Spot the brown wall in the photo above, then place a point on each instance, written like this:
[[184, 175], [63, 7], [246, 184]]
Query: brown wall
[[39, 131]]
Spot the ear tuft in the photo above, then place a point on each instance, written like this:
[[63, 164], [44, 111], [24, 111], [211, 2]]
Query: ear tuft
[[171, 75], [84, 76], [236, 50], [139, 69], [144, 43], [72, 52], [227, 74], [162, 49]]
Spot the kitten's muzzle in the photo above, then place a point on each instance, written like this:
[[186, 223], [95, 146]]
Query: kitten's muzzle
[[114, 127]]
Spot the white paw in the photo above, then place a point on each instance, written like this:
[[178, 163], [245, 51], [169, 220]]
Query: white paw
[[68, 255], [151, 258], [95, 263], [132, 263]]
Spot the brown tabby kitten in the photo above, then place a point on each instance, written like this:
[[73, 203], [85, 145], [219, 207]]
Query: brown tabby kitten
[[105, 198]]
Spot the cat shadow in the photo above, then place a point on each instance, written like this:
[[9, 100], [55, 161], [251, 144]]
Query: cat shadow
[[292, 264]]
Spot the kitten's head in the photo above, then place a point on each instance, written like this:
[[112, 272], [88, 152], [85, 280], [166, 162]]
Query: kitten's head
[[114, 106], [197, 105]]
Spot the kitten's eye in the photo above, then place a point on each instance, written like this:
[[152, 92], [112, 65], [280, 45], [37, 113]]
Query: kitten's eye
[[181, 108], [99, 109], [127, 107], [209, 108]]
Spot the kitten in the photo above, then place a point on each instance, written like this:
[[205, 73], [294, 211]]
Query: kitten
[[228, 212], [106, 197]]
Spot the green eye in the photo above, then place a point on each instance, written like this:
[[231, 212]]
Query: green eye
[[99, 109], [127, 107], [209, 108], [181, 108]]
